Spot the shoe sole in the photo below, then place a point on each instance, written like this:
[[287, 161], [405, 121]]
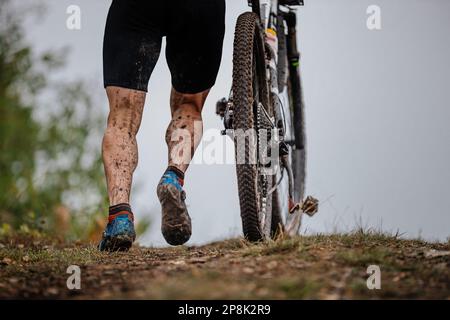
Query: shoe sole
[[175, 226], [118, 243]]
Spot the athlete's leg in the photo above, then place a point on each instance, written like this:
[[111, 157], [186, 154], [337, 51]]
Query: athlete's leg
[[120, 151], [186, 127], [183, 136], [193, 51], [120, 156], [131, 48]]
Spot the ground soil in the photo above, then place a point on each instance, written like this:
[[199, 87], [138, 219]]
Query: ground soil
[[323, 267]]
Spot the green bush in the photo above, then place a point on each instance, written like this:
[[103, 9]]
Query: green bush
[[51, 177]]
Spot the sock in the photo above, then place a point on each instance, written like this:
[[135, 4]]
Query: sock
[[178, 173], [120, 209]]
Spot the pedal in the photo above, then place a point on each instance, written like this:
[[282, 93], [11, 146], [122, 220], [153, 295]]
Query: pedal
[[310, 206]]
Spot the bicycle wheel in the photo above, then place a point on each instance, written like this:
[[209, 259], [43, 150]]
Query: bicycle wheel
[[250, 95], [289, 83]]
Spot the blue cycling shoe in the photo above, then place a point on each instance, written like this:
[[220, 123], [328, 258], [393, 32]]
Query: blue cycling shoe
[[119, 233]]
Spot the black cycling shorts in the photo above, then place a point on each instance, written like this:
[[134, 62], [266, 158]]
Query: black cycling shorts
[[194, 31]]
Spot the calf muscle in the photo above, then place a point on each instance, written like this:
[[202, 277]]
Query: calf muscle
[[186, 127], [119, 148]]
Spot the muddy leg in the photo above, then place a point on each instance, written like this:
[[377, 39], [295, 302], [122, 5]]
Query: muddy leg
[[186, 127], [120, 152]]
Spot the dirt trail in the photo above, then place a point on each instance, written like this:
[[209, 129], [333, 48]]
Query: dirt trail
[[325, 267]]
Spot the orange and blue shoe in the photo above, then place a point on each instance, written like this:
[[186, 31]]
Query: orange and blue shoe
[[119, 234]]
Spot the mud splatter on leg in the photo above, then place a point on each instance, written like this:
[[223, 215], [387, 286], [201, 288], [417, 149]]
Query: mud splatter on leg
[[120, 152], [186, 127]]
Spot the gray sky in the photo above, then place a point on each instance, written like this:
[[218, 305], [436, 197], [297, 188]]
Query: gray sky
[[377, 116]]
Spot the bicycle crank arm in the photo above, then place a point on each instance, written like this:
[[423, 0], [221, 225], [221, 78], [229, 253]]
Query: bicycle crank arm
[[292, 206], [310, 205]]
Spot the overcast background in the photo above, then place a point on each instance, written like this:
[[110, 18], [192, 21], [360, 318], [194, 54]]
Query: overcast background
[[377, 114]]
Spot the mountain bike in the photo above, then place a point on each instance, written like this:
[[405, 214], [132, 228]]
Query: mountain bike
[[264, 115]]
